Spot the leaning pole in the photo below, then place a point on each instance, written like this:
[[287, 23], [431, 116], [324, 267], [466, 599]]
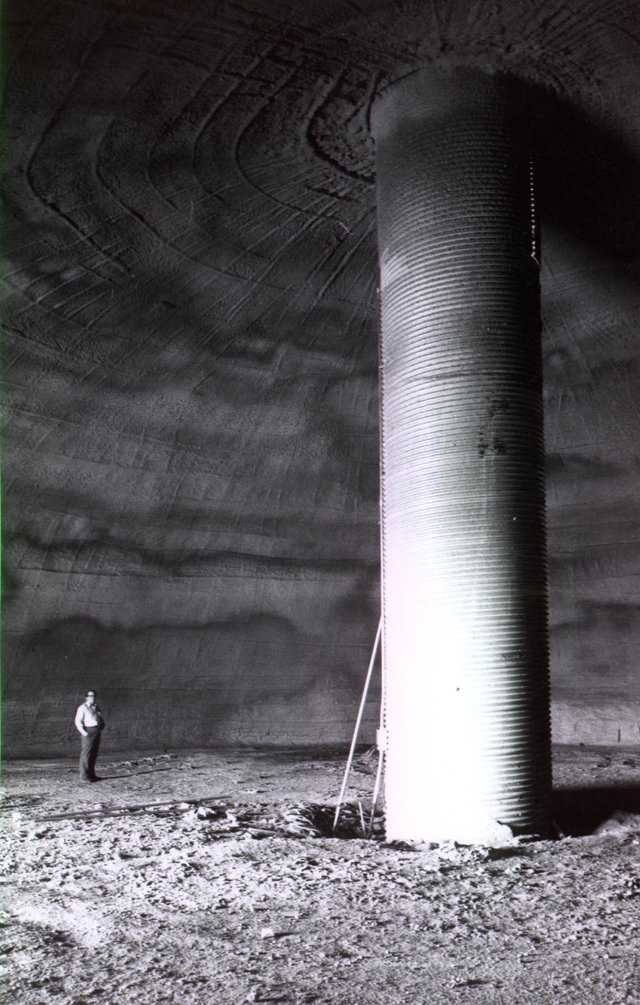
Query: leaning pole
[[466, 683]]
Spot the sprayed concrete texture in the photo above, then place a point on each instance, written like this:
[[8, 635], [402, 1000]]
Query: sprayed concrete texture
[[189, 306], [199, 877]]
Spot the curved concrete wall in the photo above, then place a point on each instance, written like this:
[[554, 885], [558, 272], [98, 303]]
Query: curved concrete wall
[[189, 309]]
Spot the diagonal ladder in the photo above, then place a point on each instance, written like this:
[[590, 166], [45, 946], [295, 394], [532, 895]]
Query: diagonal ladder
[[354, 740]]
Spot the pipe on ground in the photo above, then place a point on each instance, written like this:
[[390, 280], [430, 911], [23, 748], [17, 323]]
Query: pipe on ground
[[466, 690]]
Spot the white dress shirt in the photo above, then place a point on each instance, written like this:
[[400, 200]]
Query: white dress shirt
[[87, 715]]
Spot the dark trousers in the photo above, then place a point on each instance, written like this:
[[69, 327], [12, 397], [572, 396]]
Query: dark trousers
[[89, 747]]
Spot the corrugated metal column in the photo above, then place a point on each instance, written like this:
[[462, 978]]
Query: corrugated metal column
[[464, 564]]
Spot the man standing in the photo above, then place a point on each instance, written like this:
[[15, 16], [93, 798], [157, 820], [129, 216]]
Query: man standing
[[89, 722]]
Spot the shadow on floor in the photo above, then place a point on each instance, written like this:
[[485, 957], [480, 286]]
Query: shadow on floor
[[580, 811]]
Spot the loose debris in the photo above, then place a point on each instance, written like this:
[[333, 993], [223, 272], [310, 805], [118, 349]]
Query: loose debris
[[193, 895]]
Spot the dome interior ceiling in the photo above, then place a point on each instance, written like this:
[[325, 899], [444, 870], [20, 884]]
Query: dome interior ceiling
[[190, 318]]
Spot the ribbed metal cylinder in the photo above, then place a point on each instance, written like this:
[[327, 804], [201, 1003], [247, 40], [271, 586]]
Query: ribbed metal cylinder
[[463, 536]]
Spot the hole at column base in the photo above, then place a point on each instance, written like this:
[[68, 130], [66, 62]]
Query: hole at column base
[[354, 821], [317, 821], [578, 813]]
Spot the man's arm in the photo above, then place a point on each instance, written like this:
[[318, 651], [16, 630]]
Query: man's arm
[[79, 723]]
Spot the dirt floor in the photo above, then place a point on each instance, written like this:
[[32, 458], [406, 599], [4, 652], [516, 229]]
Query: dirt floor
[[226, 891]]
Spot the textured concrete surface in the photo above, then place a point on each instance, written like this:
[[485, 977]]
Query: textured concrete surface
[[188, 303]]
